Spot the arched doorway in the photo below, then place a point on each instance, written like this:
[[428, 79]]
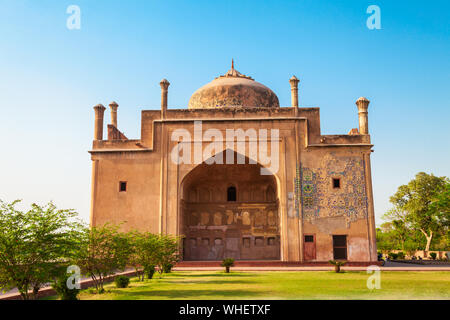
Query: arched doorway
[[230, 211]]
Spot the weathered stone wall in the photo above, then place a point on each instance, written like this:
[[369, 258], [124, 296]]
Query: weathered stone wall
[[306, 202], [328, 211]]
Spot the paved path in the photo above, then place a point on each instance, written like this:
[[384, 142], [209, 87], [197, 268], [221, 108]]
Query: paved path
[[415, 268], [402, 265], [15, 291], [389, 266]]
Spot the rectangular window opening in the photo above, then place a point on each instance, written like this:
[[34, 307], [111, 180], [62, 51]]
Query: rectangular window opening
[[122, 186], [336, 183]]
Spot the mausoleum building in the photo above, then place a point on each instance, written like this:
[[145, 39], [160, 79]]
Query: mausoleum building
[[239, 176]]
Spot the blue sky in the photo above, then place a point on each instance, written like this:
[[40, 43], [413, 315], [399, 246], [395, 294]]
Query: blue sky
[[51, 77]]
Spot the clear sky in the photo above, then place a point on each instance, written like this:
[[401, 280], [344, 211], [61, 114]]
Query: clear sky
[[51, 77]]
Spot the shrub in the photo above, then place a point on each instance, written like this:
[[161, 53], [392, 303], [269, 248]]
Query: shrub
[[401, 255], [122, 281], [433, 255], [228, 263], [393, 255], [63, 292], [167, 254], [151, 252], [150, 271], [167, 267], [337, 265], [145, 251]]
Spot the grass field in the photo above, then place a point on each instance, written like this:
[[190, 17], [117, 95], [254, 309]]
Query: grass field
[[280, 285]]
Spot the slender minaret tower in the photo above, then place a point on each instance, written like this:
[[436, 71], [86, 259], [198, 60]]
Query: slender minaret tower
[[113, 105], [294, 91], [164, 90], [363, 104], [99, 113]]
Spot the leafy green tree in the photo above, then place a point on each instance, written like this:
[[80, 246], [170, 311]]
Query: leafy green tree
[[103, 251], [167, 254], [134, 258], [35, 246], [440, 206], [411, 247], [384, 241], [145, 253], [424, 204]]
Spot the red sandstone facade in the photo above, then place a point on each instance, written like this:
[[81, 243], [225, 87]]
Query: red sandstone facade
[[313, 205]]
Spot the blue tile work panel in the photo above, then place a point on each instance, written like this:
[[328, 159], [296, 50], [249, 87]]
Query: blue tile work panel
[[297, 191], [320, 200]]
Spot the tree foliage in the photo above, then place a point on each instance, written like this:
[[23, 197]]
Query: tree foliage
[[167, 253], [421, 208], [144, 256], [36, 246], [103, 252]]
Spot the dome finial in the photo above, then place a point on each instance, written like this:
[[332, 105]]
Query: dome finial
[[232, 64]]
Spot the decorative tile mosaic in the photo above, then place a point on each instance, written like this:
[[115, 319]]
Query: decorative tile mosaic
[[297, 191], [320, 200]]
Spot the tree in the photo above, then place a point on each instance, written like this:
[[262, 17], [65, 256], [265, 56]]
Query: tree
[[410, 247], [228, 263], [134, 258], [424, 206], [144, 257], [35, 246], [440, 206], [167, 254], [103, 251], [384, 241]]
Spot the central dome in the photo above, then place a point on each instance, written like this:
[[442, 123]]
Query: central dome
[[233, 90]]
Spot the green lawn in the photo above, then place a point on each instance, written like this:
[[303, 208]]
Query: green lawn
[[281, 285]]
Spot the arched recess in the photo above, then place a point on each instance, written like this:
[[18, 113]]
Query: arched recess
[[247, 228]]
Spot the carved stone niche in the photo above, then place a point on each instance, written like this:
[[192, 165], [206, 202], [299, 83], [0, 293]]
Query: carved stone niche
[[218, 219], [204, 218], [260, 219], [246, 219], [230, 217], [271, 218], [259, 241], [246, 242], [192, 195]]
